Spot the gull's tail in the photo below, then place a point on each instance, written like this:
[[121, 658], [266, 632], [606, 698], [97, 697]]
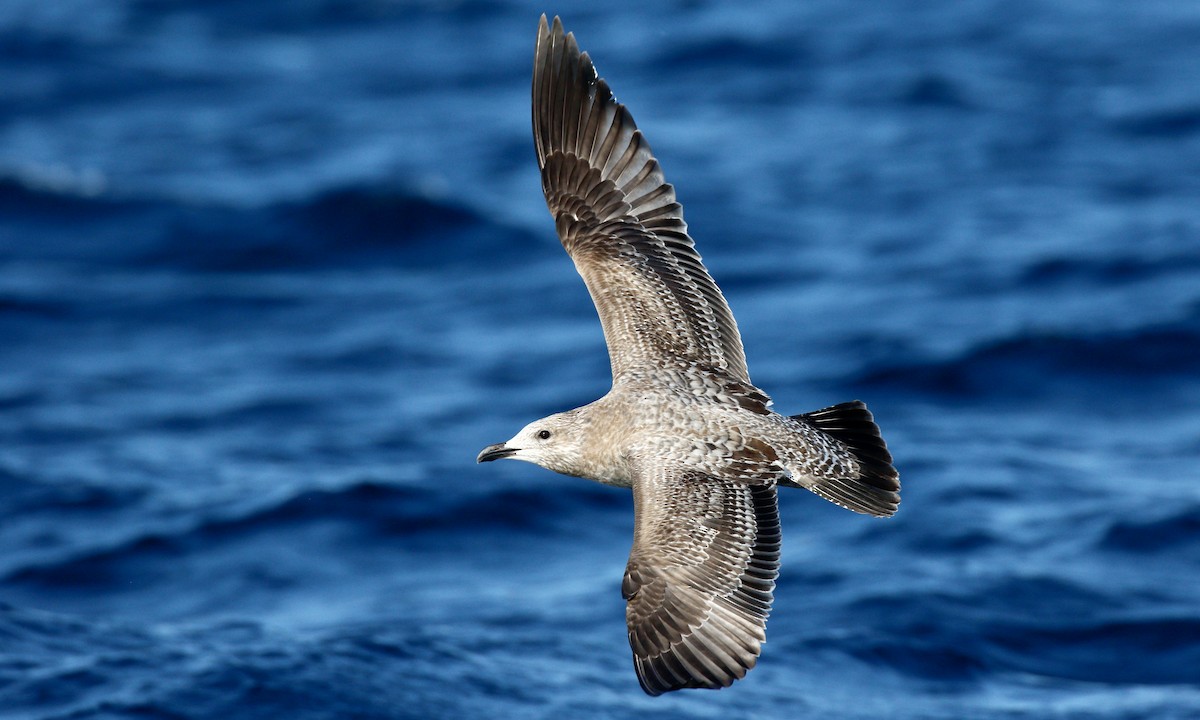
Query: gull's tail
[[876, 488]]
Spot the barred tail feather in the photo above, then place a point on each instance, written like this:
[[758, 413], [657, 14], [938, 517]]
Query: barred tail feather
[[876, 489]]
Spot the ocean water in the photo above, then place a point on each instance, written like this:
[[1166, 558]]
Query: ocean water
[[272, 273]]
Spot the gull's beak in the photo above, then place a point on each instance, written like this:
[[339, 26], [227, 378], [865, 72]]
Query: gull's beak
[[495, 452]]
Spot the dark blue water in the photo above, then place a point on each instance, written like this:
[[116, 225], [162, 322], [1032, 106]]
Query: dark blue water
[[272, 273]]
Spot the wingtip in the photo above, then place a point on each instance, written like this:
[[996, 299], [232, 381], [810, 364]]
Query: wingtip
[[549, 28], [657, 679], [553, 31], [545, 34]]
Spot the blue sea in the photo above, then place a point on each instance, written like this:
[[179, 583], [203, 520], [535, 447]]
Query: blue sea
[[272, 273]]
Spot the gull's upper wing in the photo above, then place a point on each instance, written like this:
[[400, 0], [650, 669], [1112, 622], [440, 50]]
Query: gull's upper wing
[[619, 221], [701, 574]]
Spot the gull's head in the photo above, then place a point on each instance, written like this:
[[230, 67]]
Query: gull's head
[[554, 442]]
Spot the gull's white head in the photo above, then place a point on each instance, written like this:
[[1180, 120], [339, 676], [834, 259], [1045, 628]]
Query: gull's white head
[[554, 442]]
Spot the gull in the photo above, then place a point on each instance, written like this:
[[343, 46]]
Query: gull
[[682, 426]]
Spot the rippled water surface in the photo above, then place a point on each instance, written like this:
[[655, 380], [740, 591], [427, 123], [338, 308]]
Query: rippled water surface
[[272, 273]]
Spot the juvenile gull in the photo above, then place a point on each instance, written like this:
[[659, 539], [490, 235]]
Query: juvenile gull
[[682, 425]]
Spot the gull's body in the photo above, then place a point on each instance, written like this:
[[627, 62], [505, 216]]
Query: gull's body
[[682, 426]]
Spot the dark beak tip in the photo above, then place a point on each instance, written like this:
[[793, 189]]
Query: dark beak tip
[[494, 452]]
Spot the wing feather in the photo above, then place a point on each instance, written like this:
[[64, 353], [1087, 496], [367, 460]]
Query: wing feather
[[619, 220], [700, 576]]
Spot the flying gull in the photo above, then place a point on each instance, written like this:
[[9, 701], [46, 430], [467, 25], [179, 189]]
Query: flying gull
[[682, 425]]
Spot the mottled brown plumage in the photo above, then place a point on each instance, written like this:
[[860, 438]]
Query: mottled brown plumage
[[682, 426], [619, 220]]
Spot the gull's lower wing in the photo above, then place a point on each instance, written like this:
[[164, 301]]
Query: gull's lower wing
[[700, 577]]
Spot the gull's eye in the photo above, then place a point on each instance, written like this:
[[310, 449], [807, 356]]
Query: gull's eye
[[543, 434]]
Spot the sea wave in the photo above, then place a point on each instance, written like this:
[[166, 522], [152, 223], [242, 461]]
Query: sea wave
[[376, 513], [1168, 531], [1044, 626], [1043, 361], [340, 227]]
